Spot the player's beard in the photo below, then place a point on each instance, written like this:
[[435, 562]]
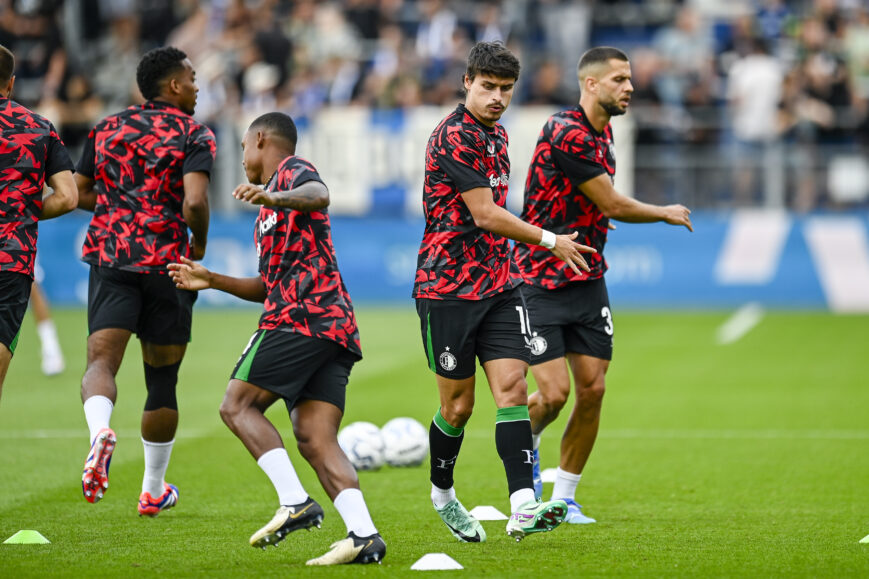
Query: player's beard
[[613, 109]]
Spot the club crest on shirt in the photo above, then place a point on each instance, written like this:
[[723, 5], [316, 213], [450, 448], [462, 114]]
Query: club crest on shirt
[[490, 148], [448, 360]]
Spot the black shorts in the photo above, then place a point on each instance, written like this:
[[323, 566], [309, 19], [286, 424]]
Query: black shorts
[[454, 332], [148, 304], [14, 295], [574, 318], [296, 367]]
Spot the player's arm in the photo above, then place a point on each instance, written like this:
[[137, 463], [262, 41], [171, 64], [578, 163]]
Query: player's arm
[[193, 276], [87, 197], [490, 216], [617, 206], [195, 210], [63, 199], [309, 196]]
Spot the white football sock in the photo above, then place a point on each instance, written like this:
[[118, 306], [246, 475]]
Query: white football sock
[[565, 484], [441, 497], [535, 441], [521, 497], [350, 504], [98, 413], [277, 466], [156, 462]]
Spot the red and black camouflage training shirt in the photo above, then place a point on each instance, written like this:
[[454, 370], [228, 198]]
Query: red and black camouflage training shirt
[[138, 159], [457, 259], [30, 152], [569, 152], [297, 264]]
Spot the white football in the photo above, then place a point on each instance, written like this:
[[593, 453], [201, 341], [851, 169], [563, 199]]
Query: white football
[[405, 442], [363, 445]]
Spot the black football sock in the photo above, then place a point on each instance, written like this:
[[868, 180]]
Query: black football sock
[[445, 440], [513, 441]]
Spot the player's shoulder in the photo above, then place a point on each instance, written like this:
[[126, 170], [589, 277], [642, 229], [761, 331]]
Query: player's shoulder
[[22, 116], [568, 124], [294, 162]]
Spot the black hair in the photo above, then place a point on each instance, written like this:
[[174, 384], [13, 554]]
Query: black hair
[[277, 124], [7, 64], [494, 59], [600, 55], [156, 66]]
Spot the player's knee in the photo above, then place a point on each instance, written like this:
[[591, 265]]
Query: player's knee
[[161, 382], [311, 448], [457, 412], [591, 395]]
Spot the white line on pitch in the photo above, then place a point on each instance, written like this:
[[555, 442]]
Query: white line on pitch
[[740, 323]]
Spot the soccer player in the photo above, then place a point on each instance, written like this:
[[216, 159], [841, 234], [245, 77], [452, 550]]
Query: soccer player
[[468, 297], [570, 188], [304, 349], [144, 173], [31, 155]]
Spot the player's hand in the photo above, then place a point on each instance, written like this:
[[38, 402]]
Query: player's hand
[[197, 249], [253, 194], [678, 215], [189, 275], [571, 252]]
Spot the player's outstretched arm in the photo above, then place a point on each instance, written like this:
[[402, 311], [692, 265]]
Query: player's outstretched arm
[[196, 211], [64, 198], [193, 276], [617, 206], [490, 216], [309, 196]]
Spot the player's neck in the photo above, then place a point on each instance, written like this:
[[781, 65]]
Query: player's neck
[[596, 116]]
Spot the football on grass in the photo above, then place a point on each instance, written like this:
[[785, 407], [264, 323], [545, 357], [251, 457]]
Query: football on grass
[[405, 442], [363, 445]]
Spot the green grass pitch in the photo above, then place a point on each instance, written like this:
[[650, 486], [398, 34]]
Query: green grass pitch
[[747, 460]]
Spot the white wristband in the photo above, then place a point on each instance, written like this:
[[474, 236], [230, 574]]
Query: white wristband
[[548, 239]]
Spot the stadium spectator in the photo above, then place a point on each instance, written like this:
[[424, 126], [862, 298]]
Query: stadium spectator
[[144, 173], [570, 188], [468, 297], [305, 347], [754, 86], [33, 156]]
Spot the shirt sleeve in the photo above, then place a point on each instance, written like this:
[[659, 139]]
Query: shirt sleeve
[[573, 151], [295, 172], [86, 161], [201, 151], [57, 157], [461, 158]]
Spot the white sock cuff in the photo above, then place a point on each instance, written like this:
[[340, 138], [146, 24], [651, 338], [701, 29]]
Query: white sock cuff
[[535, 441], [158, 444], [567, 475], [273, 454], [98, 399]]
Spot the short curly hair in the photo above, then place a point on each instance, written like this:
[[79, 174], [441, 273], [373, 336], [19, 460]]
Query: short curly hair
[[492, 58], [278, 124], [155, 67]]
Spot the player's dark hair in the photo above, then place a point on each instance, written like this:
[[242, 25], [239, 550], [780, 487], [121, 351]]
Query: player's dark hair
[[493, 59], [7, 64], [156, 66], [277, 124], [600, 55]]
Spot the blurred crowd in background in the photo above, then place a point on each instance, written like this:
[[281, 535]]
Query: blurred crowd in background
[[736, 103]]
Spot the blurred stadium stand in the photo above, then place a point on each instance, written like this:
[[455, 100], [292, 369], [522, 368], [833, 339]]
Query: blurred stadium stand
[[738, 104]]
